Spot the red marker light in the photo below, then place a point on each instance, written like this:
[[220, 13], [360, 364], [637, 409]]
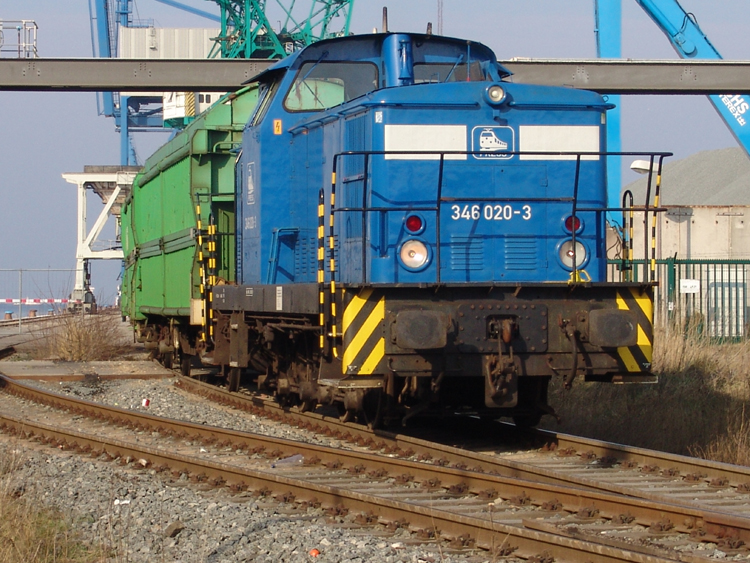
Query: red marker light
[[572, 223], [413, 223]]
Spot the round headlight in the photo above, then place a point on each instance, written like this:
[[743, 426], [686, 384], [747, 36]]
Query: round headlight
[[566, 254], [413, 254], [495, 94]]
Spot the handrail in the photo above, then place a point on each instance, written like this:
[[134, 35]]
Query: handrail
[[328, 314], [627, 204], [441, 155]]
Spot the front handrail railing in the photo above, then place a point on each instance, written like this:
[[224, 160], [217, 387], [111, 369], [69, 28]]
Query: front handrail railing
[[441, 157], [328, 305]]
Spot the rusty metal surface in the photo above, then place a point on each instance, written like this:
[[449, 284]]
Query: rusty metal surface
[[712, 469]]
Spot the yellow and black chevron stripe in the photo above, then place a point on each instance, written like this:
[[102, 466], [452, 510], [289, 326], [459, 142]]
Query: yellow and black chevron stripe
[[363, 328], [637, 358]]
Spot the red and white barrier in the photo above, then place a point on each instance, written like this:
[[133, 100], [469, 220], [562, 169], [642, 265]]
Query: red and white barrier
[[34, 301]]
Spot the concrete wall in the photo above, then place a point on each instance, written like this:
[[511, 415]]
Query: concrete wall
[[704, 232]]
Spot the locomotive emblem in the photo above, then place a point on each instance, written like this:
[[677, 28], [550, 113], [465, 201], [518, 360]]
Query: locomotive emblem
[[488, 141], [492, 142]]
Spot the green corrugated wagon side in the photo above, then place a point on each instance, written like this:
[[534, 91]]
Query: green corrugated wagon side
[[178, 231]]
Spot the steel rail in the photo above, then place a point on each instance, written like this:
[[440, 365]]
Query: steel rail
[[29, 320], [481, 531], [583, 456]]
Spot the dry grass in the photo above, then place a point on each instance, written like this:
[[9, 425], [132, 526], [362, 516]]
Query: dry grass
[[697, 408], [732, 446], [82, 338], [31, 533]]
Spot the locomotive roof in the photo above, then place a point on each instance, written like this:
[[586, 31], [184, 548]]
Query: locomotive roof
[[369, 47]]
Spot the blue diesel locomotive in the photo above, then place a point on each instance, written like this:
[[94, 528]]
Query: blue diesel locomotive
[[418, 234]]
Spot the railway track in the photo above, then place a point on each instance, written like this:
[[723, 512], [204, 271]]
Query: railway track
[[536, 455], [34, 320], [468, 507]]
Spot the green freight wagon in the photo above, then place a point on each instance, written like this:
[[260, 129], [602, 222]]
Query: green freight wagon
[[178, 229]]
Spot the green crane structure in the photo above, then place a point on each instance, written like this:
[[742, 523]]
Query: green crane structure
[[246, 31]]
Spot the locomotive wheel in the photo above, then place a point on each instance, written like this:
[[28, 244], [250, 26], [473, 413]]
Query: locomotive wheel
[[373, 406], [307, 405], [233, 380], [167, 360], [186, 362]]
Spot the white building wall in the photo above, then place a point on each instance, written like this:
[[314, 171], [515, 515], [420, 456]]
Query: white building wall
[[695, 232], [166, 43]]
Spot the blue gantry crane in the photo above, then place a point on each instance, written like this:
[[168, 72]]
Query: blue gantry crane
[[246, 32], [131, 113], [687, 38], [608, 31], [690, 42]]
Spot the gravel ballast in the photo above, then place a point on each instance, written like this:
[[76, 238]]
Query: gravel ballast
[[146, 518]]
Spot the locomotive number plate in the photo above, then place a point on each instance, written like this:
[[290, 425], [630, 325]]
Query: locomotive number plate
[[490, 212]]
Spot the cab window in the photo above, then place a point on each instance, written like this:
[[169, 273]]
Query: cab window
[[448, 72], [321, 85], [266, 94]]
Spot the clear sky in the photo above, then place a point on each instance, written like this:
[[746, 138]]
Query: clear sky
[[43, 135]]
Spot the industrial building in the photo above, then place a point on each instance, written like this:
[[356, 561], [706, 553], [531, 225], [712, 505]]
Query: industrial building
[[702, 250]]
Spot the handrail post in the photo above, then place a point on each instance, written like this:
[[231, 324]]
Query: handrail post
[[437, 215], [321, 272], [575, 226], [332, 261], [365, 216], [627, 249]]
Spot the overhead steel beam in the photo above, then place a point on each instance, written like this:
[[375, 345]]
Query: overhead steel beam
[[120, 75], [222, 75], [636, 76]]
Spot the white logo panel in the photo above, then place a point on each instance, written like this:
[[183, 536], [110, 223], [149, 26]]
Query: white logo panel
[[492, 141]]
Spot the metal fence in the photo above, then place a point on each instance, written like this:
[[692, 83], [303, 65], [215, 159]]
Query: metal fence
[[41, 290], [708, 296]]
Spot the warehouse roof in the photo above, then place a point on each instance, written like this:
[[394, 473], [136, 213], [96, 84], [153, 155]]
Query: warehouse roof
[[716, 177]]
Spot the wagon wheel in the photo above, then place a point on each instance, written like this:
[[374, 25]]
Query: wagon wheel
[[233, 380], [373, 407]]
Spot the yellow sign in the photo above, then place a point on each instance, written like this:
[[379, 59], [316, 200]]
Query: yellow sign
[[277, 127]]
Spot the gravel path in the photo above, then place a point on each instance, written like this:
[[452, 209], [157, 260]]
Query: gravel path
[[147, 519]]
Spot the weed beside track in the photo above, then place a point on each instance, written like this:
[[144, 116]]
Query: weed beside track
[[697, 408], [79, 338], [30, 532]]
